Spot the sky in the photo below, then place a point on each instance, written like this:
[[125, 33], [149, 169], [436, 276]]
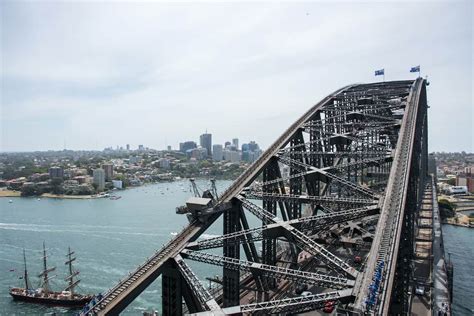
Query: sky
[[90, 74]]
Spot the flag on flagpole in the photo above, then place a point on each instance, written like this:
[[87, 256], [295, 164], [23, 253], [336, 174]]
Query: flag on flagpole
[[415, 69], [380, 72]]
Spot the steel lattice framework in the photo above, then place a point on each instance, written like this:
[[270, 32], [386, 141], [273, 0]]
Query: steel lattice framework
[[339, 187]]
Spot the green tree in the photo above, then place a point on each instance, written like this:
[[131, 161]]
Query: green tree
[[29, 191], [452, 181], [56, 186], [446, 208]]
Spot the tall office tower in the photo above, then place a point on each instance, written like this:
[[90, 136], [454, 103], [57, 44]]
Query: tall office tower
[[217, 152], [206, 142], [109, 171], [99, 178], [56, 172], [235, 142], [128, 146], [184, 147]]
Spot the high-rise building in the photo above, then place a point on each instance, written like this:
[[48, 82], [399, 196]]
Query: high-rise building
[[184, 147], [253, 146], [227, 144], [128, 146], [168, 148], [217, 152], [141, 147], [235, 142], [206, 142], [232, 156], [197, 153], [164, 163], [109, 171], [99, 178], [134, 159], [56, 173]]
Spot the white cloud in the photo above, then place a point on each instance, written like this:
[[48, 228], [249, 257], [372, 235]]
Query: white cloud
[[149, 71]]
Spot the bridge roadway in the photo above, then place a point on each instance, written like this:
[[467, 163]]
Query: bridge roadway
[[117, 298]]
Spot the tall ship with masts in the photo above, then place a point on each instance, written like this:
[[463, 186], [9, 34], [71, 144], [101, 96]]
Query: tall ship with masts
[[43, 294]]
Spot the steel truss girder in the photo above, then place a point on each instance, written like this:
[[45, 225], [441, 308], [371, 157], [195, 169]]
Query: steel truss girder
[[306, 243], [330, 176], [358, 115], [347, 136], [271, 271], [355, 130], [364, 107], [259, 212], [361, 126], [382, 158], [206, 300], [340, 154], [292, 305], [361, 91], [310, 223], [303, 241], [309, 199]]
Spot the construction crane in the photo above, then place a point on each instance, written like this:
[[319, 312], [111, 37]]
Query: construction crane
[[194, 187], [214, 190]]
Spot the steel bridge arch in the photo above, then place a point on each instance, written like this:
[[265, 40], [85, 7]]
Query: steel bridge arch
[[360, 152]]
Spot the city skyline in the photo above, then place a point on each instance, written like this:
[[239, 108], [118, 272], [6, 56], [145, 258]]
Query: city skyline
[[94, 84]]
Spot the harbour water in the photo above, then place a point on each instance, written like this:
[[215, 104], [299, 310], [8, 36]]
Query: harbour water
[[110, 237], [459, 242]]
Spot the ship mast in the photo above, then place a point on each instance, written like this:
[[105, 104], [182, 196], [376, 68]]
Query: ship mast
[[45, 272], [72, 273], [25, 276]]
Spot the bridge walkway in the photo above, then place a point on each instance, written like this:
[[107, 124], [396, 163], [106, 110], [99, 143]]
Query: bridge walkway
[[422, 276], [440, 276]]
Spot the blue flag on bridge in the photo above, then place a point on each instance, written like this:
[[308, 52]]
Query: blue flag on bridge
[[380, 72], [415, 69]]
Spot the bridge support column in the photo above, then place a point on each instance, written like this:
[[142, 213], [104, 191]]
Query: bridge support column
[[296, 183], [171, 291], [231, 276], [269, 245]]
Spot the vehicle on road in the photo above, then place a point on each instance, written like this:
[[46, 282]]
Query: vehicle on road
[[420, 290], [329, 306]]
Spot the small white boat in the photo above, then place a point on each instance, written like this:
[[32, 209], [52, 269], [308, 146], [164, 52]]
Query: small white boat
[[10, 201]]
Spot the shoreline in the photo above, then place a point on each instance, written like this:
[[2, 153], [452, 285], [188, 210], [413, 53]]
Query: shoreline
[[10, 193], [457, 224], [70, 197]]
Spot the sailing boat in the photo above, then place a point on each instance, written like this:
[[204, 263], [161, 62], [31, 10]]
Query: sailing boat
[[44, 294]]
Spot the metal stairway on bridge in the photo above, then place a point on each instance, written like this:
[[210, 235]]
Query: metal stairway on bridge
[[358, 156]]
